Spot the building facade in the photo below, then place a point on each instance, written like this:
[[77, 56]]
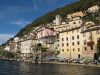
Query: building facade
[[91, 34], [74, 37], [27, 47], [70, 38]]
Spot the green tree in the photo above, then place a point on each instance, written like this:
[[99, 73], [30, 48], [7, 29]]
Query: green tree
[[8, 54], [39, 48]]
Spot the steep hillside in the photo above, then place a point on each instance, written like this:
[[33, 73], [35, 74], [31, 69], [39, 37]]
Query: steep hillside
[[80, 5], [47, 18]]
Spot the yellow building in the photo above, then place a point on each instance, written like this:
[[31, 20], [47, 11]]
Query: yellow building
[[91, 35], [74, 37], [70, 37]]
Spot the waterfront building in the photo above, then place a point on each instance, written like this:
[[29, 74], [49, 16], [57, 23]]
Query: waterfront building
[[26, 45], [46, 37], [27, 48], [74, 37], [16, 44], [7, 48], [91, 35], [13, 45], [70, 38]]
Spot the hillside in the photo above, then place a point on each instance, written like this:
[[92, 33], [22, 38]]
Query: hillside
[[47, 18], [81, 5]]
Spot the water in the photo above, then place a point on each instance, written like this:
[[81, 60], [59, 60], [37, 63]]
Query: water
[[20, 68]]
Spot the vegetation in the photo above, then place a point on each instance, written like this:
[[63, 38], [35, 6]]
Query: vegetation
[[94, 17], [39, 47], [47, 18], [8, 54], [80, 5]]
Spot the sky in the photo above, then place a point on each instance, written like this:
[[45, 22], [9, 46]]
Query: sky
[[16, 14]]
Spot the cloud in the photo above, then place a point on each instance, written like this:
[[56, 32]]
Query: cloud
[[20, 22], [5, 37]]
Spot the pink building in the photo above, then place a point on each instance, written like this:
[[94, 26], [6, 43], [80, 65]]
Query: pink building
[[45, 32]]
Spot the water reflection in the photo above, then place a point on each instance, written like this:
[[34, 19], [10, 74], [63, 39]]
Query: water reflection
[[20, 68]]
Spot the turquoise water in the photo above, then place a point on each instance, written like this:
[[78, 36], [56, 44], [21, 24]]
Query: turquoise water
[[20, 68]]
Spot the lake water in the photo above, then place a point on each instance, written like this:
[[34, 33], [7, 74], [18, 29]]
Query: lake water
[[21, 68]]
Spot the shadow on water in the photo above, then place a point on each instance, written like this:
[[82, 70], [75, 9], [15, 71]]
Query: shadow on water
[[20, 68]]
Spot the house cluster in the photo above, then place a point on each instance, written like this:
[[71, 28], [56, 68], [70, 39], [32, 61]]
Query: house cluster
[[72, 38]]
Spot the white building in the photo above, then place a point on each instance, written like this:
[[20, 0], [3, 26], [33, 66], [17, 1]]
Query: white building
[[7, 48], [16, 44], [27, 47], [93, 9]]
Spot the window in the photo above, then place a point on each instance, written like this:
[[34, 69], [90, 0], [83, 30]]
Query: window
[[62, 39], [72, 37], [67, 44], [57, 36], [67, 39], [67, 50], [79, 22], [85, 48], [73, 43], [74, 22], [84, 42], [62, 50], [77, 36], [62, 44], [49, 39], [73, 50], [78, 43], [91, 47], [78, 49]]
